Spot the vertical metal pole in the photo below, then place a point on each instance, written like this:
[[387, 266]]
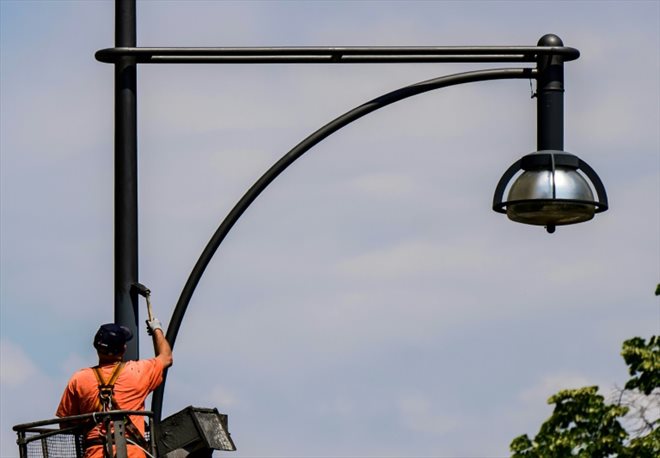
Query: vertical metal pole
[[126, 203], [550, 98], [22, 446], [119, 436]]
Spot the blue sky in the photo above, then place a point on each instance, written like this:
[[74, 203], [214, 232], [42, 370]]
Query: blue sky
[[369, 303]]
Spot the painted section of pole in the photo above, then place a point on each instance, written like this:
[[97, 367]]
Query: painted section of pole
[[126, 199], [550, 97]]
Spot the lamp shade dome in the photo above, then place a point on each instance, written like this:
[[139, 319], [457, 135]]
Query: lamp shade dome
[[544, 197], [550, 191]]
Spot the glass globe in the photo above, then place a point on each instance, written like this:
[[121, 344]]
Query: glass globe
[[535, 198]]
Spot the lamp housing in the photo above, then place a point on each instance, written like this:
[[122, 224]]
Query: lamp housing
[[550, 191]]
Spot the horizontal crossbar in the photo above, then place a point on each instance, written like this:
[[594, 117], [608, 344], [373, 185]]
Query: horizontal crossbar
[[335, 55]]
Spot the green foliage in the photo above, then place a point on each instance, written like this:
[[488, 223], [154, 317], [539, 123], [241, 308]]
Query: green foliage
[[643, 361], [584, 425], [647, 446]]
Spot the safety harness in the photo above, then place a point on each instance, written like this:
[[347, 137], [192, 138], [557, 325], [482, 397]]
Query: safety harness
[[106, 402]]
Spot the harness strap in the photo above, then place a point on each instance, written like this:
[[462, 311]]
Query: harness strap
[[106, 401], [106, 389]]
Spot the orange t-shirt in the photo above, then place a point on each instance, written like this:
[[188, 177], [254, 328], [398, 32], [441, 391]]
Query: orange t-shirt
[[135, 382]]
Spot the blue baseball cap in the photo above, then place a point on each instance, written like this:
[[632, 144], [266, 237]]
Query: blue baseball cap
[[111, 338]]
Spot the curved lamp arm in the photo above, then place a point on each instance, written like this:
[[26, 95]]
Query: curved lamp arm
[[288, 159]]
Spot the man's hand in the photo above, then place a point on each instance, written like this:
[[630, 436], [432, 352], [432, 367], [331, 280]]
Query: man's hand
[[152, 325]]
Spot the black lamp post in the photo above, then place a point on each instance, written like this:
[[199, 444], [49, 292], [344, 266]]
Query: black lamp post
[[549, 192]]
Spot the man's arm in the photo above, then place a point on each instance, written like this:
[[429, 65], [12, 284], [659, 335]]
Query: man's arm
[[162, 348]]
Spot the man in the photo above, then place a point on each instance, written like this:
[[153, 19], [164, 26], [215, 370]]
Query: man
[[131, 382]]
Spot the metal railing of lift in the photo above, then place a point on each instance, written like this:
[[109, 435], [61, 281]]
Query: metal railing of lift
[[39, 440]]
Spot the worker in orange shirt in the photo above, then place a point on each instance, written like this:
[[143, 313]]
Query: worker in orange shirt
[[116, 385]]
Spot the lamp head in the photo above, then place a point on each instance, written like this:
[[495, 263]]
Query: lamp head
[[550, 191]]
